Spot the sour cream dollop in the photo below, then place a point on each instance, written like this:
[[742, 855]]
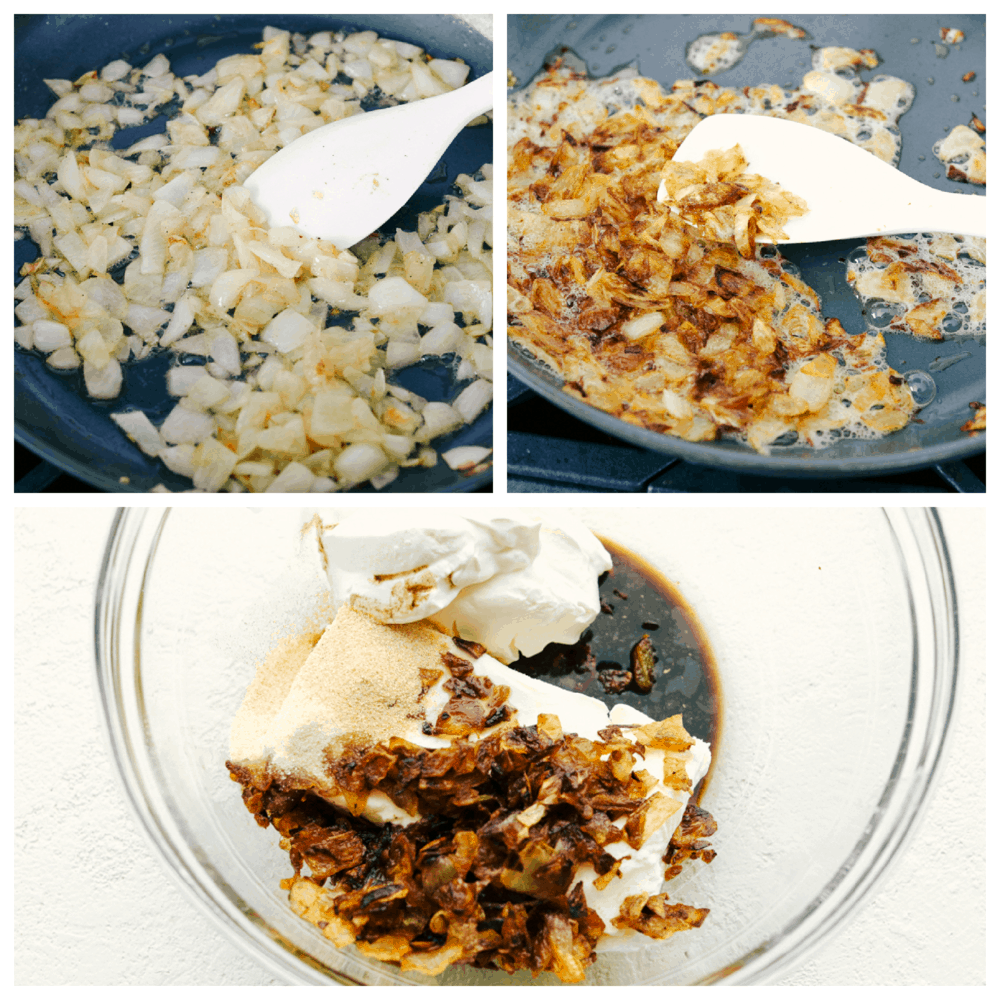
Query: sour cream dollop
[[510, 581]]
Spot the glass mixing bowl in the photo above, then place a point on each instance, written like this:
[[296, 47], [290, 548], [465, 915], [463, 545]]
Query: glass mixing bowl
[[835, 634]]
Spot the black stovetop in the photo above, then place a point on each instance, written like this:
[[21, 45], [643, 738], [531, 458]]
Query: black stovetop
[[549, 451]]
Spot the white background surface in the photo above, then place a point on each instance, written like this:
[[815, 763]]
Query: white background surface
[[93, 906]]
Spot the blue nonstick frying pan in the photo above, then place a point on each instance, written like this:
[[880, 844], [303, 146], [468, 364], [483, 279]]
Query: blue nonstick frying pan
[[52, 414], [910, 48]]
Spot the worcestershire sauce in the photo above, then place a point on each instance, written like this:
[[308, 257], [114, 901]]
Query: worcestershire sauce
[[636, 600]]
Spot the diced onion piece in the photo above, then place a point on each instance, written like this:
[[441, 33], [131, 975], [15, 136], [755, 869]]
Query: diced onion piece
[[59, 87], [294, 478], [209, 263], [439, 418], [222, 103], [642, 326], [207, 392], [115, 70], [286, 267], [452, 72], [146, 319], [64, 359], [473, 299], [179, 459], [465, 457], [481, 356], [287, 331], [436, 313], [323, 484], [227, 286], [93, 348], [104, 382], [392, 295], [676, 405], [254, 469], [442, 339], [358, 462], [225, 351], [399, 354], [473, 399], [397, 445], [239, 393], [382, 479], [213, 464], [74, 249], [176, 190], [160, 222], [288, 438], [140, 429], [426, 83], [49, 336], [337, 293], [331, 416], [182, 378], [186, 426], [156, 66], [130, 116], [30, 310], [406, 50], [180, 322]]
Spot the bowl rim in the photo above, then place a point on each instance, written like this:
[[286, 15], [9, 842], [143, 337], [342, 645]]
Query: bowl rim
[[916, 532]]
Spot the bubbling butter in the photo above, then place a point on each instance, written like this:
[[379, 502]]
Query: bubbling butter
[[932, 285]]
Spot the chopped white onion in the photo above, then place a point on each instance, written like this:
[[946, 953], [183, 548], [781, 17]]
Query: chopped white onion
[[465, 457], [287, 331], [185, 426], [141, 430], [179, 459], [63, 359], [394, 294], [294, 478], [49, 336], [358, 462], [473, 399], [213, 464], [104, 382], [180, 322], [442, 339], [399, 354], [182, 378], [439, 418]]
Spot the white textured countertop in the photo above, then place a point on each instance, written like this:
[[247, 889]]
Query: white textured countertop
[[93, 906]]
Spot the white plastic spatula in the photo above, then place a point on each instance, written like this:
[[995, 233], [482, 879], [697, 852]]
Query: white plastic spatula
[[342, 181], [849, 191]]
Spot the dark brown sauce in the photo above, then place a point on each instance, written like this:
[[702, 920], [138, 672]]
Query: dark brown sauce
[[642, 602]]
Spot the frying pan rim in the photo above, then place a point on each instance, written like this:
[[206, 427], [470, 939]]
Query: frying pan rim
[[750, 462]]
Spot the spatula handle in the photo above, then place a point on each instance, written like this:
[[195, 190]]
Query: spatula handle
[[475, 98], [933, 211]]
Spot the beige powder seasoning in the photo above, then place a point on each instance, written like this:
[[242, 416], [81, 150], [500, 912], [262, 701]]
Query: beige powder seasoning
[[359, 682]]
